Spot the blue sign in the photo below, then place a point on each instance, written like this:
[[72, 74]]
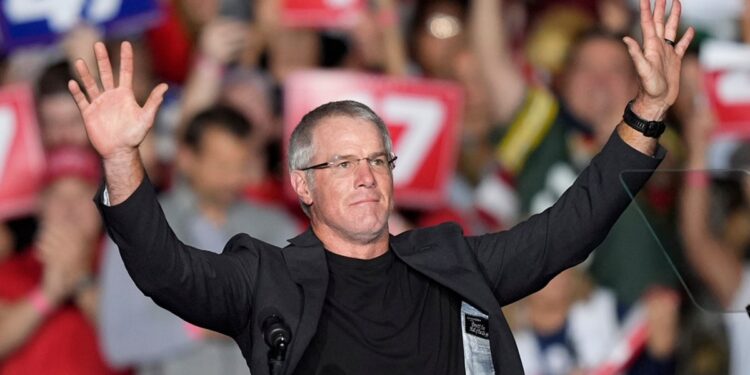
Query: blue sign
[[24, 22]]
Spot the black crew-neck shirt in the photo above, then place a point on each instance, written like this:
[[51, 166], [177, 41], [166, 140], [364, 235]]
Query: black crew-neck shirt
[[382, 317]]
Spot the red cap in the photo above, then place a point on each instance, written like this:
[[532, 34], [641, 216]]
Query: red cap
[[72, 161]]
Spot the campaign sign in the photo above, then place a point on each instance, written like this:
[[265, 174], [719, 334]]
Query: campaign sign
[[729, 94], [321, 13], [727, 82], [423, 118], [25, 22], [21, 153]]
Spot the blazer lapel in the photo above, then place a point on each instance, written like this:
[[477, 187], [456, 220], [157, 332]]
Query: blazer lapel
[[306, 263], [448, 261], [456, 269]]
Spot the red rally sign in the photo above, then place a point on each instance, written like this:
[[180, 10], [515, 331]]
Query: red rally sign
[[729, 94], [21, 152], [321, 13], [726, 67], [423, 117]]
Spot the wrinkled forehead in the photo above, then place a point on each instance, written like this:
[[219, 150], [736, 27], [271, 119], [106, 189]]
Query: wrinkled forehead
[[344, 135]]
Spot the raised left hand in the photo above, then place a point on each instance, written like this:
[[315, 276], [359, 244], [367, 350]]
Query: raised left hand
[[659, 62]]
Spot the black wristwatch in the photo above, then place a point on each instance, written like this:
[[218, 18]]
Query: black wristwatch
[[651, 129]]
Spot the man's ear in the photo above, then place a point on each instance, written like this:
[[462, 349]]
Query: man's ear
[[301, 187]]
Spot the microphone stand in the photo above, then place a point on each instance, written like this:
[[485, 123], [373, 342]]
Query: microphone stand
[[277, 336]]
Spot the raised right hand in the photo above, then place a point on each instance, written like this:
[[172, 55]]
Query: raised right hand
[[114, 121]]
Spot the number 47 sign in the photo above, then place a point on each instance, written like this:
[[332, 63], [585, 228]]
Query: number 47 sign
[[422, 116]]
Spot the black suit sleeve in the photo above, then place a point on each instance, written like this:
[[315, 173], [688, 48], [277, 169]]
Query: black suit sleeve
[[206, 289], [524, 259]]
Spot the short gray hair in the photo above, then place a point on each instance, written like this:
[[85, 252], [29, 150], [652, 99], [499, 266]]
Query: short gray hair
[[301, 144], [301, 148]]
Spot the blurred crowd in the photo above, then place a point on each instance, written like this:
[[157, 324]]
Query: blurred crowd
[[544, 84]]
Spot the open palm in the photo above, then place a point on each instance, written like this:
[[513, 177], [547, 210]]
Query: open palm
[[114, 121], [659, 62]]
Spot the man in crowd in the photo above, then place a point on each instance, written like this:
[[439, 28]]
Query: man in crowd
[[48, 292], [546, 140]]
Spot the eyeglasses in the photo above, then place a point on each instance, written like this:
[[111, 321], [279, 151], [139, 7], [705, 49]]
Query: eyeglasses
[[347, 165]]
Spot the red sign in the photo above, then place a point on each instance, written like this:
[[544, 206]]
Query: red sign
[[321, 13], [729, 94], [423, 117], [21, 152]]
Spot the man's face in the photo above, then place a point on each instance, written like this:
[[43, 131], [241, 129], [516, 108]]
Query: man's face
[[219, 169], [598, 83], [61, 121], [354, 204]]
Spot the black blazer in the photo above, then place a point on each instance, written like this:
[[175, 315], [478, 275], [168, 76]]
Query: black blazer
[[235, 291]]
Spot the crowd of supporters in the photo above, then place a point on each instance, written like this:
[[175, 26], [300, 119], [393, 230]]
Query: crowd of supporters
[[544, 84]]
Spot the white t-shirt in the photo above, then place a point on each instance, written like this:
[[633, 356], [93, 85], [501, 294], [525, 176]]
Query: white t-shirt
[[592, 331]]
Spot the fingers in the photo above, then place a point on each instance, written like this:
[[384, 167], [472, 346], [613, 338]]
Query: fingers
[[674, 21], [684, 42], [635, 52], [92, 90], [105, 67], [78, 95], [647, 21], [653, 26], [154, 100], [659, 11], [126, 65]]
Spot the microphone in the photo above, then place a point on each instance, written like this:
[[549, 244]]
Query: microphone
[[277, 335]]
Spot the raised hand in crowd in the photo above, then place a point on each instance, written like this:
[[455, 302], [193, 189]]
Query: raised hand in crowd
[[66, 254], [377, 40], [491, 43], [115, 123], [615, 16], [63, 253], [222, 42], [78, 41], [697, 128], [715, 262]]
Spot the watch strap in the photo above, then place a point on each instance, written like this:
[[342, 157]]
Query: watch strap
[[651, 129]]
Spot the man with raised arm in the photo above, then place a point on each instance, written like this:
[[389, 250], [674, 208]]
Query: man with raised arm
[[353, 298]]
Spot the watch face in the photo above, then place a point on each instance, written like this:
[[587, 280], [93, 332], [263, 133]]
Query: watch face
[[652, 130]]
